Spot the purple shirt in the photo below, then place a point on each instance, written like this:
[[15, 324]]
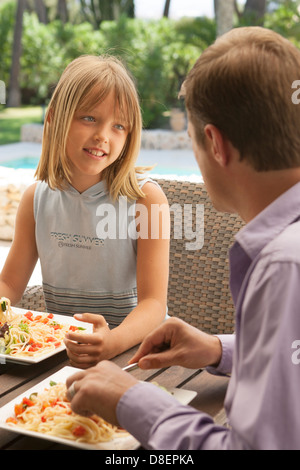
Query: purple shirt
[[262, 401]]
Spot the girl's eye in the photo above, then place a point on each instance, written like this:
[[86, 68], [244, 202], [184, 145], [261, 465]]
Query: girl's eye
[[120, 127], [88, 118]]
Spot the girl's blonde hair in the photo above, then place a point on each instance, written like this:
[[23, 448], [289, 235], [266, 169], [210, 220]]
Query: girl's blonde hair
[[86, 81]]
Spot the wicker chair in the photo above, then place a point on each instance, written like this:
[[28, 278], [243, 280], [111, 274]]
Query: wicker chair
[[198, 281], [33, 299]]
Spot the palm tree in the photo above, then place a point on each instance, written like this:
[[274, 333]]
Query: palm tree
[[224, 11], [14, 93], [2, 92], [62, 10], [167, 8], [96, 11], [253, 13], [41, 11]]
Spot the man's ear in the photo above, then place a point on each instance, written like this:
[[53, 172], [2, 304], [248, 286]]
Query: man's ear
[[218, 144]]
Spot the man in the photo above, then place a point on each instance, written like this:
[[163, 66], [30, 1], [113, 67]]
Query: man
[[245, 131]]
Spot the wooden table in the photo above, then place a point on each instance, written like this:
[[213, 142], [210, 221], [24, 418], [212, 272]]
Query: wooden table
[[16, 379]]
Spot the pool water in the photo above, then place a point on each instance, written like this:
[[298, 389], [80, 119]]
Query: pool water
[[24, 162], [32, 162]]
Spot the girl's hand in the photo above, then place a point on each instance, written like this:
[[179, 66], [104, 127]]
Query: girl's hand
[[86, 350]]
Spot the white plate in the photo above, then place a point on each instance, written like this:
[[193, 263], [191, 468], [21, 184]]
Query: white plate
[[120, 443], [62, 319]]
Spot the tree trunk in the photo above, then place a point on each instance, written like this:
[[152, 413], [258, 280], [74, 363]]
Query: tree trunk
[[167, 8], [62, 10], [41, 11], [2, 92], [14, 92], [96, 11], [224, 10], [255, 10]]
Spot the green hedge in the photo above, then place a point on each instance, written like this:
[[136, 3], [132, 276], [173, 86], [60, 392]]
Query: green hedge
[[158, 53]]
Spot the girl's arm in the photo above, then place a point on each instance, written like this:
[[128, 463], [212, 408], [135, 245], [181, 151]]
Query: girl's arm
[[152, 270], [153, 225], [22, 256]]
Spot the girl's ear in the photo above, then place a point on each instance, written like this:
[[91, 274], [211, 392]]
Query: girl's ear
[[218, 143]]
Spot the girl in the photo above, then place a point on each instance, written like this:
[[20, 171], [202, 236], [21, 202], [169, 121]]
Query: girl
[[78, 218]]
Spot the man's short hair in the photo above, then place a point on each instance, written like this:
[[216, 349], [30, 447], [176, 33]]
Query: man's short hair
[[242, 84]]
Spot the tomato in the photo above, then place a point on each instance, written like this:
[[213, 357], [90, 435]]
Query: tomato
[[28, 315], [27, 402], [50, 339], [79, 431], [34, 346], [19, 409], [50, 315], [12, 420]]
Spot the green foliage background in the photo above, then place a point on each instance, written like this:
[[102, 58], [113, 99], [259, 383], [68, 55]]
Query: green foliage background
[[158, 53]]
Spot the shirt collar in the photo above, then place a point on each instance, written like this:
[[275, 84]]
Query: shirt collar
[[96, 190], [270, 222], [252, 238]]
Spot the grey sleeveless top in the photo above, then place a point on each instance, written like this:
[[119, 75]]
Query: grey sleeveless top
[[87, 248]]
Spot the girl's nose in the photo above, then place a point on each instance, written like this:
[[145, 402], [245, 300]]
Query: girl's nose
[[101, 135]]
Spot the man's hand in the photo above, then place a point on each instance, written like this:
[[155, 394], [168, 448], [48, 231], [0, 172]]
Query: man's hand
[[98, 390], [178, 343]]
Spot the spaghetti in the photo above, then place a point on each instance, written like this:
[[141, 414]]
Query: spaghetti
[[49, 412], [29, 335]]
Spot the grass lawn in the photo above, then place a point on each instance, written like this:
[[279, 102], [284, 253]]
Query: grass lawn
[[11, 120]]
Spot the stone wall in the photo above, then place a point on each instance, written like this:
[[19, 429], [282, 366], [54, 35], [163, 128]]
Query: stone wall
[[159, 139], [32, 133], [154, 139], [12, 185], [10, 197]]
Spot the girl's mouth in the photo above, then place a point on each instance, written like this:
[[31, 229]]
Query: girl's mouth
[[95, 153]]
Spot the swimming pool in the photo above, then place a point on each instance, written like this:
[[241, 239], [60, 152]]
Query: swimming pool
[[171, 163], [175, 164], [23, 162]]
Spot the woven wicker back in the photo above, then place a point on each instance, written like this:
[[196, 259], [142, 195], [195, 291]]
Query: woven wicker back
[[33, 299], [199, 278]]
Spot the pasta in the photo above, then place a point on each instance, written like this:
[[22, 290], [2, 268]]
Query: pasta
[[29, 335], [49, 412]]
